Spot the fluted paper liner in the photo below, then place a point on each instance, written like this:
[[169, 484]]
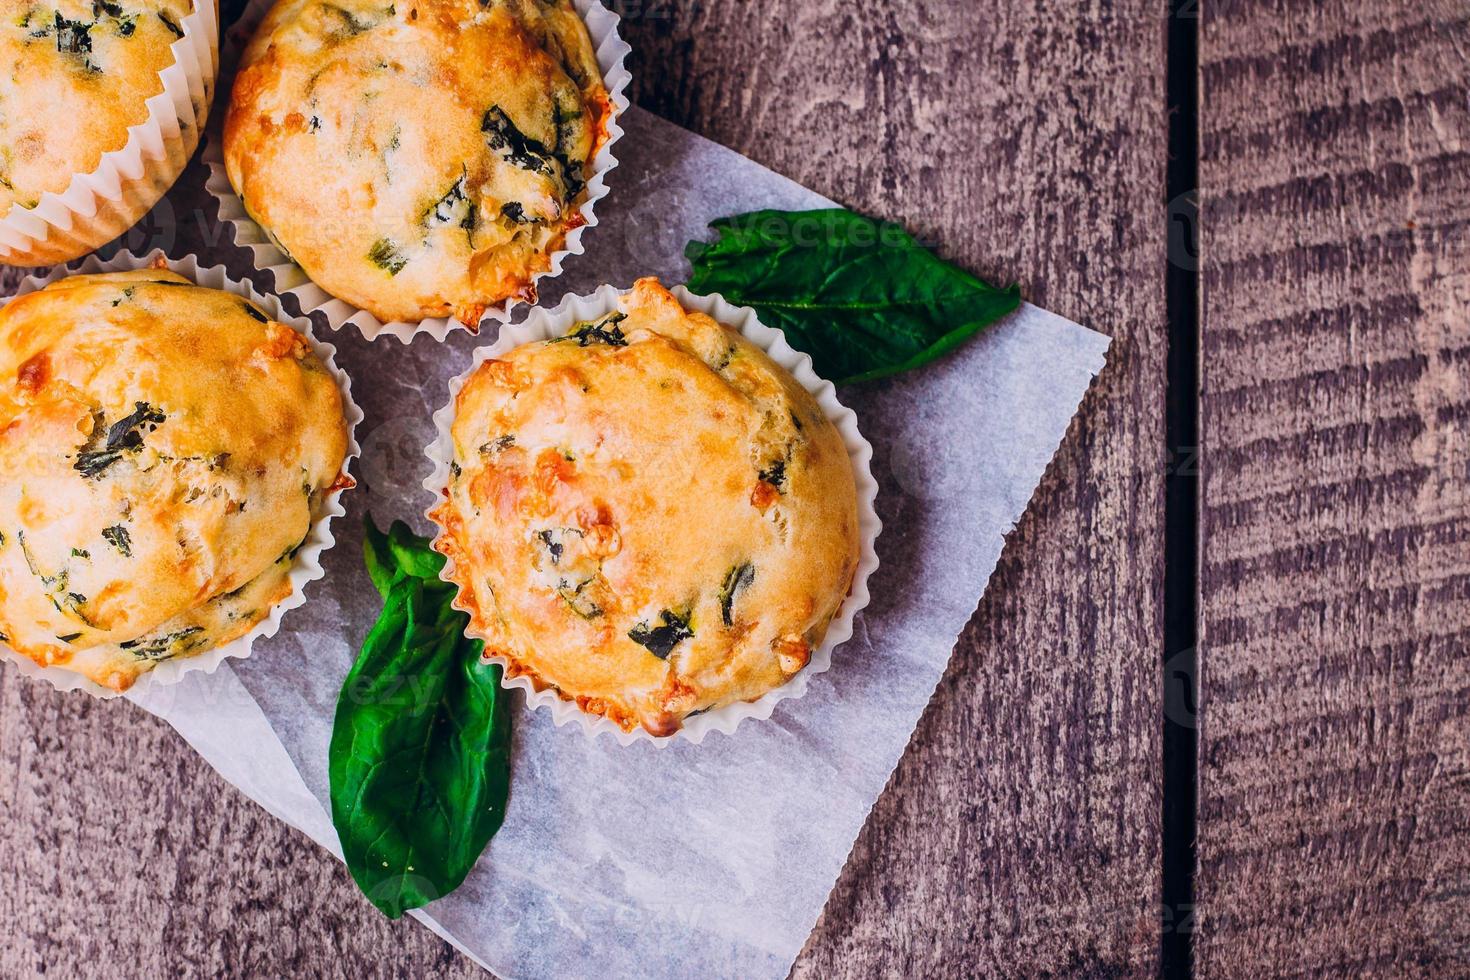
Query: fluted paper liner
[[307, 565], [545, 324], [612, 51], [97, 207]]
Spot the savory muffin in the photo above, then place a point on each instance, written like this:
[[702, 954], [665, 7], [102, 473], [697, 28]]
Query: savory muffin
[[164, 449], [79, 73], [418, 158], [648, 515]]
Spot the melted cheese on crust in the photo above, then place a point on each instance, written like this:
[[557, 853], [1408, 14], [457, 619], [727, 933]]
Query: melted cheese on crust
[[164, 449], [417, 158], [649, 516], [77, 75]]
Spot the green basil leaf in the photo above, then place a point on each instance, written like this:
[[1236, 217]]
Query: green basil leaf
[[863, 298], [419, 761]]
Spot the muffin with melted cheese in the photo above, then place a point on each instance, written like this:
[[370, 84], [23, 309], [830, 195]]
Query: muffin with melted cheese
[[79, 73], [418, 158], [164, 451], [648, 515]]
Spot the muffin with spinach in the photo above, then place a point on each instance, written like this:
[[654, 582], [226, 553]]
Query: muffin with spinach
[[79, 74], [648, 516], [164, 450], [418, 158]]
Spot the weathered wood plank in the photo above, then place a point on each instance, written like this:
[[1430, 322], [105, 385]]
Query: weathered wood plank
[[1020, 834], [125, 855], [1334, 828]]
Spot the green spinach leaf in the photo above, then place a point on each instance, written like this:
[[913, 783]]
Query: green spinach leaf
[[518, 149], [604, 331], [167, 646], [386, 256], [737, 579], [420, 755], [123, 436], [863, 298], [72, 36], [171, 24], [119, 538], [399, 552], [660, 639]]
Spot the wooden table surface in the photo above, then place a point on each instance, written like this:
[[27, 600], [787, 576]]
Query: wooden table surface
[[1022, 832]]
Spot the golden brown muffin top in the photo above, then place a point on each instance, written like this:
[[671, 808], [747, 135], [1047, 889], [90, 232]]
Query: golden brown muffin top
[[77, 74], [418, 158], [648, 515], [163, 450]]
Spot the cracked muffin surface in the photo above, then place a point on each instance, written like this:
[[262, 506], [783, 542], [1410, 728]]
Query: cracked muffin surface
[[418, 158], [164, 450], [648, 515], [79, 74]]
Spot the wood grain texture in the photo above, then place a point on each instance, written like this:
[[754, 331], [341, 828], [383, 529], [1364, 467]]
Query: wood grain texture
[[1334, 827], [1020, 833]]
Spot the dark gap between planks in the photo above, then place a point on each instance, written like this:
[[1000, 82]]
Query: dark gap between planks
[[1180, 720]]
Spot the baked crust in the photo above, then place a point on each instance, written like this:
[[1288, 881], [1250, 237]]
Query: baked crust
[[418, 158], [78, 74], [649, 516], [164, 449]]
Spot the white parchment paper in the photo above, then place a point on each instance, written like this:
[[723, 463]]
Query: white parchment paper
[[711, 860]]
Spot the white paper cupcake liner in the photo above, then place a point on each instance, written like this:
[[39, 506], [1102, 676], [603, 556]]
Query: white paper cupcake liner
[[612, 52], [544, 324], [307, 567], [98, 206]]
